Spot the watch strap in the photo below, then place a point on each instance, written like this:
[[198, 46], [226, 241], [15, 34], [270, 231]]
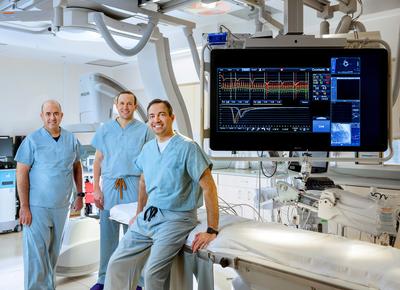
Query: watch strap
[[212, 231]]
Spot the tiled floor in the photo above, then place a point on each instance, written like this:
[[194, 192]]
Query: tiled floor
[[12, 273]]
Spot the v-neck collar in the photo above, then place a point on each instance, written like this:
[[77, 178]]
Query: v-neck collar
[[48, 134], [171, 141], [127, 125]]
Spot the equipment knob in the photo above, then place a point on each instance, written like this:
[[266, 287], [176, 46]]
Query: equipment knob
[[224, 262]]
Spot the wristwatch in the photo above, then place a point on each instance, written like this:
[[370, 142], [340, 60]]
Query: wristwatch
[[212, 231], [80, 194]]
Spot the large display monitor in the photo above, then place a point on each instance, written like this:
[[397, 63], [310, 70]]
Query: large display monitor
[[298, 99]]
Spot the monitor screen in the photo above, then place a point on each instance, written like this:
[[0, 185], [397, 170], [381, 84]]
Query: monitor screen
[[298, 99], [6, 146]]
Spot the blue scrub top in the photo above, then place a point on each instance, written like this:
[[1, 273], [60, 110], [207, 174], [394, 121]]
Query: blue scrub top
[[120, 147], [172, 177], [51, 162]]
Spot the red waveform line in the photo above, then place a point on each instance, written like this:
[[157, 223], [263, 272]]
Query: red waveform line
[[270, 85]]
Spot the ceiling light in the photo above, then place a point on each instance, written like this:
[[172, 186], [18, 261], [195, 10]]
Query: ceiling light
[[208, 5], [211, 8]]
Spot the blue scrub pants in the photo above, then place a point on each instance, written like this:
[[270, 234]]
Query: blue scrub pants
[[152, 241], [109, 229], [109, 239], [42, 245]]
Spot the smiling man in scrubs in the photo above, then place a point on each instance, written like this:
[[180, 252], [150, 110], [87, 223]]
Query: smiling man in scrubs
[[118, 143], [176, 175], [47, 165]]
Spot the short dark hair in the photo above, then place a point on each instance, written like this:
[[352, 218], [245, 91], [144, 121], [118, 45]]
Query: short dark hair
[[159, 101], [128, 93]]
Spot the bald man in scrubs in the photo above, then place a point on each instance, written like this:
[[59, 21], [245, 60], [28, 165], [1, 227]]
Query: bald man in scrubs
[[176, 174], [48, 165]]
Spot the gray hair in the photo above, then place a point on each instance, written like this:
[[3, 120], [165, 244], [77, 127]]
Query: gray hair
[[52, 102]]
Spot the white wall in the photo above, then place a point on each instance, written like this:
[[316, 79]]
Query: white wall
[[26, 83]]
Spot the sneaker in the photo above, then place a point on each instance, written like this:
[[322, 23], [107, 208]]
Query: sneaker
[[97, 286]]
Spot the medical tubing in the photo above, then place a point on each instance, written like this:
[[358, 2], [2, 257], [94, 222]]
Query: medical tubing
[[250, 206], [359, 26], [228, 205], [223, 209], [262, 167], [232, 206], [361, 10], [105, 33], [273, 173]]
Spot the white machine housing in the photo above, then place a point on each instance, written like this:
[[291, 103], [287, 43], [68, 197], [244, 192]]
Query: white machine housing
[[365, 213], [8, 201], [97, 101], [80, 251]]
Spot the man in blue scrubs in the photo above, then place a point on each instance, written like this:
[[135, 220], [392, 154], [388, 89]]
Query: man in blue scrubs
[[118, 143], [176, 175], [47, 165]]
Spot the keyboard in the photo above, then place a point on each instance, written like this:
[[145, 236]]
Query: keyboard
[[320, 183]]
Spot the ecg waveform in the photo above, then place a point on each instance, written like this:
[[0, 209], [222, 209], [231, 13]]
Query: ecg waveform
[[264, 119], [288, 86], [264, 99]]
